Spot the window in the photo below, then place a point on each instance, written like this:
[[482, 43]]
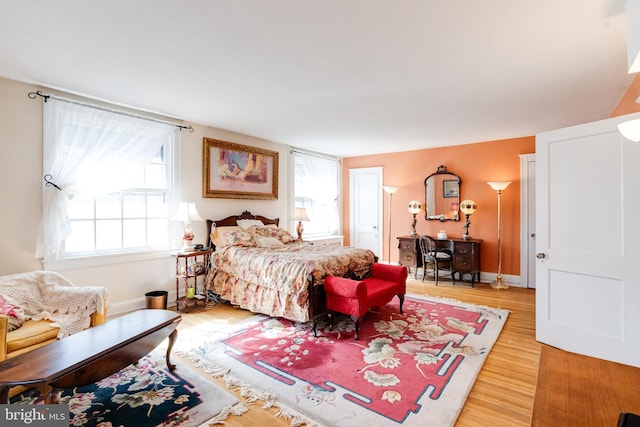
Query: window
[[316, 187], [134, 218], [112, 174]]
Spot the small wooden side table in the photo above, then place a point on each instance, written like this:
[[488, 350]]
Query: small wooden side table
[[188, 266]]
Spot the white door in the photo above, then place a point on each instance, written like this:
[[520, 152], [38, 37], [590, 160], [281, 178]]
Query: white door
[[528, 220], [588, 198], [365, 209]]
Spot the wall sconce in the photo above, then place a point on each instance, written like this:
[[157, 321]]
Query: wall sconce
[[468, 207], [499, 186], [390, 190], [414, 208], [300, 214], [187, 213]]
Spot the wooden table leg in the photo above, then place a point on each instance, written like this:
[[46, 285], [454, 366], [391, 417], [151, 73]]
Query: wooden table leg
[[172, 340], [53, 396]]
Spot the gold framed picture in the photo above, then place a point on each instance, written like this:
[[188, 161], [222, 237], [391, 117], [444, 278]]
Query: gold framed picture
[[235, 171]]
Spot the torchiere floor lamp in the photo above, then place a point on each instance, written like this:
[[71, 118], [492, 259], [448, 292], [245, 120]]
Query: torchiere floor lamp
[[499, 186], [389, 189]]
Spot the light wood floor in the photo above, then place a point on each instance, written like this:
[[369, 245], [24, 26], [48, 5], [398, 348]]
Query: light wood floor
[[578, 390], [504, 391]]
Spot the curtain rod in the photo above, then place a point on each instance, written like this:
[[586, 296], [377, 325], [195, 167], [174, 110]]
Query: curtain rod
[[33, 95], [315, 154]]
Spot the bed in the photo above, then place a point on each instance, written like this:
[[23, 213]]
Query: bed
[[262, 268]]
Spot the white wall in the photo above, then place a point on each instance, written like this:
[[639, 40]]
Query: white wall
[[20, 197]]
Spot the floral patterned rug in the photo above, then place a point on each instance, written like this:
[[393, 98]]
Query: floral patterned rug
[[146, 394], [411, 369]]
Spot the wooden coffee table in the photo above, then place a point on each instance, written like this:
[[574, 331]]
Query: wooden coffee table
[[91, 355]]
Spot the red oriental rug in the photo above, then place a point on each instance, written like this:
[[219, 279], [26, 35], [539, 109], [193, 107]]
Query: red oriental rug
[[409, 369]]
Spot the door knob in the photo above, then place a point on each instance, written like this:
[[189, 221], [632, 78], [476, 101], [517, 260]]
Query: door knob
[[540, 255], [533, 235]]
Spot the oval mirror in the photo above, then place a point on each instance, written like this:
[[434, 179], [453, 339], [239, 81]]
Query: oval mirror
[[442, 196]]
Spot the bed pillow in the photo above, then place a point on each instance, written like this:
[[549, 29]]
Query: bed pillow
[[284, 236], [240, 238], [279, 233], [10, 308], [268, 242], [218, 237], [246, 223]]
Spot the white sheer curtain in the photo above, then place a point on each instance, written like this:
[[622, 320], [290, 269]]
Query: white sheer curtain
[[89, 151], [316, 188]]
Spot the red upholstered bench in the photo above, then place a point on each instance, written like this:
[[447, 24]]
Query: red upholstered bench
[[356, 297]]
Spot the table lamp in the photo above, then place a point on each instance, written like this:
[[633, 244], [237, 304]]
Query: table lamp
[[468, 207], [300, 214], [414, 208], [187, 213]]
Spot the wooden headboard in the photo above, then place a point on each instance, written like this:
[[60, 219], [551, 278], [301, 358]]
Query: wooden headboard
[[231, 220]]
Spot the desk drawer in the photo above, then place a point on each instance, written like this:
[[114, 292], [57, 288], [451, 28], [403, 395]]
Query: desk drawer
[[463, 249], [407, 246], [408, 259], [463, 262]]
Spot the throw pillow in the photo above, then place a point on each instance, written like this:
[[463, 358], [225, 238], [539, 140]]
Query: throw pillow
[[10, 308], [279, 233], [240, 238], [269, 242], [218, 235]]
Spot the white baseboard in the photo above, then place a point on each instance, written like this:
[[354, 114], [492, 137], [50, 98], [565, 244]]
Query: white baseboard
[[123, 307], [485, 277], [508, 279]]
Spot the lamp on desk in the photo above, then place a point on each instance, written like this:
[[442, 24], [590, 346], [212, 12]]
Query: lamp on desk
[[187, 213], [499, 186], [468, 207], [300, 214], [414, 208]]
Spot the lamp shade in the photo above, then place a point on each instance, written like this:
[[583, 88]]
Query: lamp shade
[[499, 185], [415, 207], [300, 214], [187, 212], [468, 206], [630, 130], [389, 189]]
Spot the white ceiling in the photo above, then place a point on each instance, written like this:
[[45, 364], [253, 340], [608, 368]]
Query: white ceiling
[[348, 77]]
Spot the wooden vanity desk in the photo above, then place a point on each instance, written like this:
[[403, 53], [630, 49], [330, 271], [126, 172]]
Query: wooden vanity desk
[[466, 255]]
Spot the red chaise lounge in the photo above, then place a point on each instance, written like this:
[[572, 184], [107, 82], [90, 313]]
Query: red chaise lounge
[[355, 297]]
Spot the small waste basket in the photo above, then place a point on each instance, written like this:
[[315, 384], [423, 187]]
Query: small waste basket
[[157, 299]]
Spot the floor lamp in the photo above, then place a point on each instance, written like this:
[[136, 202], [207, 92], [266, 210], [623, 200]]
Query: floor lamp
[[389, 189], [499, 186]]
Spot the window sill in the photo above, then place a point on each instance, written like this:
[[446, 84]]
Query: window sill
[[101, 260], [326, 239]]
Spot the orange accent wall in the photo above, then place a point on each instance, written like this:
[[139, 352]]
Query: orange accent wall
[[628, 104], [475, 164]]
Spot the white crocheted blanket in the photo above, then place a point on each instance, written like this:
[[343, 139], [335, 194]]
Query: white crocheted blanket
[[49, 295]]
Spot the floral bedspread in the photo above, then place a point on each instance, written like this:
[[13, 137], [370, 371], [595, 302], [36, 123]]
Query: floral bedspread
[[274, 281]]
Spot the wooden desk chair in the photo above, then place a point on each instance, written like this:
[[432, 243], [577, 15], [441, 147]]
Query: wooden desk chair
[[432, 254]]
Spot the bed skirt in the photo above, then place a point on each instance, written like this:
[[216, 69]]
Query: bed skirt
[[272, 302]]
